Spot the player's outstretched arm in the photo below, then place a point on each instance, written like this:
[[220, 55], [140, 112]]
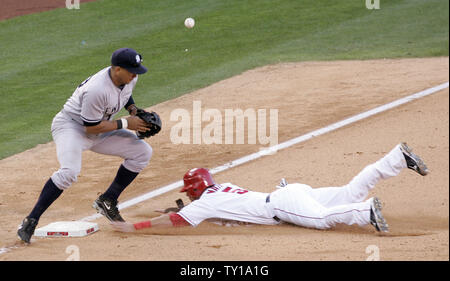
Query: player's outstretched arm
[[133, 123], [166, 220]]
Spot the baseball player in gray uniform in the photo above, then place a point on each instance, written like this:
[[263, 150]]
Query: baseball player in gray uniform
[[299, 204], [86, 123]]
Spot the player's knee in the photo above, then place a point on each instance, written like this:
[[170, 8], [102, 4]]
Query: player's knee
[[147, 153], [141, 159], [323, 220], [65, 177]]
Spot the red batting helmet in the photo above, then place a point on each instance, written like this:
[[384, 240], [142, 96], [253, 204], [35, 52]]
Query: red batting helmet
[[196, 181]]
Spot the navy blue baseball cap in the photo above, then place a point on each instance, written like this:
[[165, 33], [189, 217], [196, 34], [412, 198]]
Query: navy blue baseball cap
[[129, 59]]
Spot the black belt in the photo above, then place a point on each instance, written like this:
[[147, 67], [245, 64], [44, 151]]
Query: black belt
[[268, 201]]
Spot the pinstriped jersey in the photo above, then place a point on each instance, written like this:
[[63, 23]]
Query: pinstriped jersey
[[98, 99], [230, 202]]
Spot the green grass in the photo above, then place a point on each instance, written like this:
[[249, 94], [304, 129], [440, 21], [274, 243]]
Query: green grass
[[43, 60]]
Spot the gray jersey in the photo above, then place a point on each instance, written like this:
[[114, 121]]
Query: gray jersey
[[95, 100], [98, 99]]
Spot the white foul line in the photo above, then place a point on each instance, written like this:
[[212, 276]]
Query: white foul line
[[272, 149]]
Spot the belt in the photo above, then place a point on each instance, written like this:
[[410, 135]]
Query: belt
[[268, 201]]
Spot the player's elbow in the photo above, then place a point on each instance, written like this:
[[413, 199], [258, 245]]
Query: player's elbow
[[97, 129], [178, 220], [93, 129]]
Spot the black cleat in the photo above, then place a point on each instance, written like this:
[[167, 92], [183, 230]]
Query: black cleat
[[413, 161], [108, 208], [26, 229], [376, 218]]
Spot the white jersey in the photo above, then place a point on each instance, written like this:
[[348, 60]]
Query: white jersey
[[98, 99], [230, 202], [296, 203]]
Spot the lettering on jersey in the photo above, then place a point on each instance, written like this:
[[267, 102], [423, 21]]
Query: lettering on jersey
[[227, 189], [109, 112], [213, 189], [234, 190]]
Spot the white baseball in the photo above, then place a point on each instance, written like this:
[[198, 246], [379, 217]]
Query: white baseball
[[189, 22]]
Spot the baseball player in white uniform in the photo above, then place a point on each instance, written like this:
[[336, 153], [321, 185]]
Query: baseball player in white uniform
[[86, 123], [299, 204]]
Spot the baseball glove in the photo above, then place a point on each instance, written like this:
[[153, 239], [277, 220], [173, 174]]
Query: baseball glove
[[153, 122]]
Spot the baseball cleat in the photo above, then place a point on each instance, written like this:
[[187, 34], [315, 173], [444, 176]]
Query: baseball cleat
[[413, 161], [108, 208], [376, 218], [26, 229]]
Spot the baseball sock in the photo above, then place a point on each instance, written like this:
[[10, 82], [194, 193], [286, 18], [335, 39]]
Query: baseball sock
[[123, 178], [49, 194]]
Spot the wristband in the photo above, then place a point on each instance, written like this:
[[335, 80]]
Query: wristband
[[142, 224], [124, 123], [119, 124]]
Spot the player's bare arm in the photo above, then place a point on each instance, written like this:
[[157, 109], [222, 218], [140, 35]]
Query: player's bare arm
[[166, 220], [133, 123]]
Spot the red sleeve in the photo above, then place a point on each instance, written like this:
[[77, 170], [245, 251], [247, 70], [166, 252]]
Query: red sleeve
[[178, 220]]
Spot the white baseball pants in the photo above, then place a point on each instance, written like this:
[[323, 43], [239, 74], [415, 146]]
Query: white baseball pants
[[325, 207], [71, 140]]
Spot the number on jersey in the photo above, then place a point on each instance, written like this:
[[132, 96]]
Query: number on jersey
[[234, 190], [227, 189]]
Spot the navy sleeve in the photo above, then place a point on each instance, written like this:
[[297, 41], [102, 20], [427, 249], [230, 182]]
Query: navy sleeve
[[89, 124], [130, 102]]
